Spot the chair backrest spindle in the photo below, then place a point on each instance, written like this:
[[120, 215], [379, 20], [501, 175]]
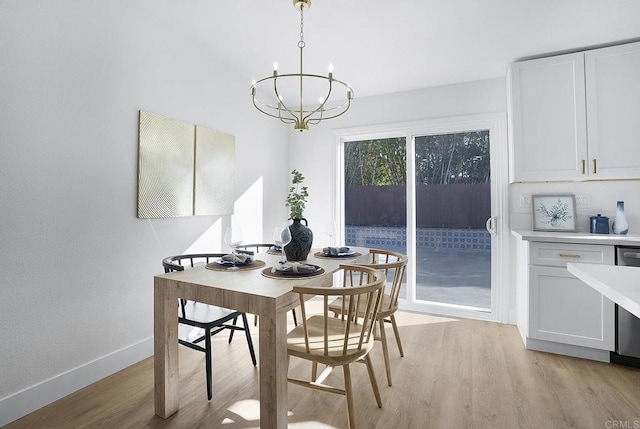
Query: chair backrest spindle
[[358, 328]]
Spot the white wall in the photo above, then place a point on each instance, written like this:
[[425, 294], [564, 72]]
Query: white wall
[[601, 195], [77, 265]]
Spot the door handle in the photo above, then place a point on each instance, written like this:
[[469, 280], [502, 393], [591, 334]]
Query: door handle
[[491, 225]]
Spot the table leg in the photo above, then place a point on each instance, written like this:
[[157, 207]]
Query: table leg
[[165, 348], [273, 369]]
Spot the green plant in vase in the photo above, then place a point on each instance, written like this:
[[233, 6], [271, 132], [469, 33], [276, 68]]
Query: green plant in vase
[[301, 235], [297, 197]]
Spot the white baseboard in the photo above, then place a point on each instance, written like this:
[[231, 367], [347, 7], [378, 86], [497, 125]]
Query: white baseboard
[[567, 350], [21, 403]]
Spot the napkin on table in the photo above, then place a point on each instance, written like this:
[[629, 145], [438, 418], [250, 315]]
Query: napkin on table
[[295, 268], [334, 251], [241, 258]]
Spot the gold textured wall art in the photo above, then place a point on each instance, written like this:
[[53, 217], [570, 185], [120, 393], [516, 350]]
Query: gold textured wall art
[[215, 165], [183, 169]]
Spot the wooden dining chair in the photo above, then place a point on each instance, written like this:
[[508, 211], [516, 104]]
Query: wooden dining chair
[[264, 247], [324, 339], [393, 265], [198, 322]]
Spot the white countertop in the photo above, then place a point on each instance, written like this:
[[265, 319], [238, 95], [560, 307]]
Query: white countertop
[[620, 284], [577, 237]]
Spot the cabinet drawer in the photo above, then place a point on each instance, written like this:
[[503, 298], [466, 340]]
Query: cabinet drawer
[[558, 254]]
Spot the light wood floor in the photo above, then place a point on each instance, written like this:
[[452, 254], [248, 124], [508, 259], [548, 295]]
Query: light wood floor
[[456, 373]]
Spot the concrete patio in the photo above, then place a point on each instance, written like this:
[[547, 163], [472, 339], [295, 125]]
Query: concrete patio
[[452, 266]]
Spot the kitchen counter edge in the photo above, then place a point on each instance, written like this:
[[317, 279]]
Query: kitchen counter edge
[[577, 237]]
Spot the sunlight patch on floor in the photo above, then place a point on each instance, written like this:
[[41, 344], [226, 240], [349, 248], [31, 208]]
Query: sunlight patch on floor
[[310, 425], [404, 318], [248, 410]]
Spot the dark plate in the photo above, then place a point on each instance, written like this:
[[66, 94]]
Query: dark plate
[[270, 272]]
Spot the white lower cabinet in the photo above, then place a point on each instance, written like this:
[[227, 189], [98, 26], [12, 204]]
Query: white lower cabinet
[[562, 308]]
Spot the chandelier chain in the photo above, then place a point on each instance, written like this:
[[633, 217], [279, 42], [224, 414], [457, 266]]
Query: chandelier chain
[[301, 42]]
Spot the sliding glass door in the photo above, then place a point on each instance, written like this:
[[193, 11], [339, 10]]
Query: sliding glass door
[[428, 191]]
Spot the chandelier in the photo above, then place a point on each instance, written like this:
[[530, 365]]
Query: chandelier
[[281, 95]]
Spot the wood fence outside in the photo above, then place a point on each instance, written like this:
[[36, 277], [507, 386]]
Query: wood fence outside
[[438, 206]]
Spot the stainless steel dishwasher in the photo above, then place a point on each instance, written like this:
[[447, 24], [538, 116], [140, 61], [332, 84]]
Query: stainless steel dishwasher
[[627, 325]]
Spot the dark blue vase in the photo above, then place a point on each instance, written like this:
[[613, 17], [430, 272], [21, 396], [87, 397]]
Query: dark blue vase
[[301, 240]]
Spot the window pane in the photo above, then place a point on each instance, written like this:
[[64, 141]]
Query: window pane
[[453, 203], [376, 194]]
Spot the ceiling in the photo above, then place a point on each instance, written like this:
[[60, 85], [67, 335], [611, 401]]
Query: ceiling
[[384, 46]]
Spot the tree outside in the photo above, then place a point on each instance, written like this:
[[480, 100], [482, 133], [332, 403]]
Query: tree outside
[[447, 159], [376, 162], [460, 158]]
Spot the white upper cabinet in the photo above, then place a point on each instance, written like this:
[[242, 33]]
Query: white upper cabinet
[[576, 116], [549, 121], [613, 111]]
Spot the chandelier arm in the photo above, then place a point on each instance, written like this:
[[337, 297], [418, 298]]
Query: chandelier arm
[[258, 103], [280, 102], [342, 108], [285, 120], [318, 120], [320, 108], [315, 121]]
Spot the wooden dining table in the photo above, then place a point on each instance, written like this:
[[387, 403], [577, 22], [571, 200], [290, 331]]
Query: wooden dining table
[[244, 290]]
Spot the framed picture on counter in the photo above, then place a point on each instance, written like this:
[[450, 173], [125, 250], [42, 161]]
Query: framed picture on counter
[[554, 212]]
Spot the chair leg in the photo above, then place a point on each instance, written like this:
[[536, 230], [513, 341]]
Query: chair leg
[[255, 320], [385, 350], [374, 382], [235, 319], [314, 371], [348, 390], [207, 362], [397, 334], [295, 319], [249, 340]]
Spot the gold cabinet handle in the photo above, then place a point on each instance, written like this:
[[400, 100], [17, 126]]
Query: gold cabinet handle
[[595, 165], [584, 166], [565, 255]]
